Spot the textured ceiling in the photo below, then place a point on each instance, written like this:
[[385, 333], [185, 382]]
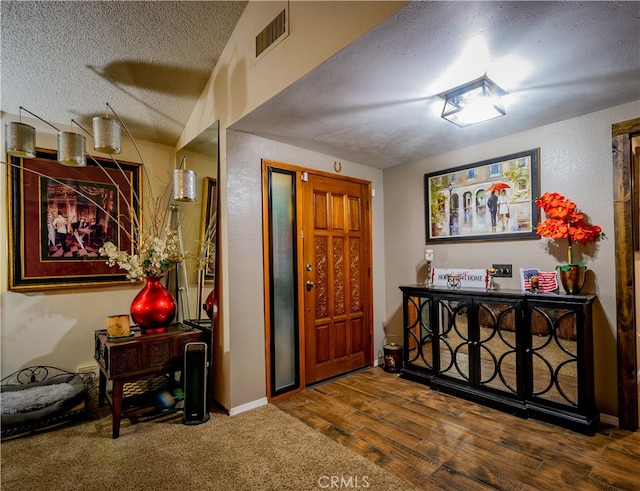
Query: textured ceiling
[[149, 60], [376, 102]]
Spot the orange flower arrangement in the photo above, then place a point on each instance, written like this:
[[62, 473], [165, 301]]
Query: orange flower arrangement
[[564, 221]]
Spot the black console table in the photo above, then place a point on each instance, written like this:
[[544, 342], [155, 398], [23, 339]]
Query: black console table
[[529, 354]]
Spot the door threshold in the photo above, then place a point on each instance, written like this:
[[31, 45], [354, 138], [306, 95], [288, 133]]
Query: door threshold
[[336, 377]]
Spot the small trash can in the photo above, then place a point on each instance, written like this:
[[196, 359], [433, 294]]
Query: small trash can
[[392, 356]]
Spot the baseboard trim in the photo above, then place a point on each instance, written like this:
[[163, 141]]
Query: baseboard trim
[[248, 406], [610, 420]]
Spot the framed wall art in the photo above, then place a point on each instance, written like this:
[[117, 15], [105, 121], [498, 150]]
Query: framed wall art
[[208, 223], [60, 216], [489, 200]]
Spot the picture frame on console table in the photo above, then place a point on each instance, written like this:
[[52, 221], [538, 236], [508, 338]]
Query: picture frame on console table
[[459, 205], [40, 191]]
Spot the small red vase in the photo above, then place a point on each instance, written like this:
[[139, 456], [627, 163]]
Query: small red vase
[[154, 307]]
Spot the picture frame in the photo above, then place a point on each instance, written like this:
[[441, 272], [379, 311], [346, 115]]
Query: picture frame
[[209, 208], [47, 252], [459, 205]]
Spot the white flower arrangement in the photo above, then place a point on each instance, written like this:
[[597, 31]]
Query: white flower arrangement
[[155, 256], [156, 250]]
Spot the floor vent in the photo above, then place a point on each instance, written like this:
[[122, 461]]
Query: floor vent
[[276, 29]]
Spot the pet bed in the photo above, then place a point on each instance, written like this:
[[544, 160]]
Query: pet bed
[[41, 397]]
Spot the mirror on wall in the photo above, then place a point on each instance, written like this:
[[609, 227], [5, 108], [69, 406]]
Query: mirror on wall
[[196, 223]]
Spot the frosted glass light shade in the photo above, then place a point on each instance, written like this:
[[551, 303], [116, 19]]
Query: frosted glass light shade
[[475, 102], [20, 139], [106, 135], [184, 185], [71, 149]]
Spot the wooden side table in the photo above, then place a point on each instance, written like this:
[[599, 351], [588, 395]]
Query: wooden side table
[[138, 357]]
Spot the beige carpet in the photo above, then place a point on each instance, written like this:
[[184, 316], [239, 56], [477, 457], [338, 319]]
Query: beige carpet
[[261, 449]]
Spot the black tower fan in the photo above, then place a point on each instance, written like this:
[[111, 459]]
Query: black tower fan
[[195, 384]]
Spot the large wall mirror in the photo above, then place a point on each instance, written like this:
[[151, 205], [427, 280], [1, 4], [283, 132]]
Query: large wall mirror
[[197, 224]]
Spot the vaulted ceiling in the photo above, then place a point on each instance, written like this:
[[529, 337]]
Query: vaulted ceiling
[[375, 102], [150, 60]]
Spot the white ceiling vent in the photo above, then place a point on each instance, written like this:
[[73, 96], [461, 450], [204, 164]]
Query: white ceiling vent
[[271, 35]]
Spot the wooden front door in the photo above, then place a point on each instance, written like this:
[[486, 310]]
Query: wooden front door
[[336, 230]]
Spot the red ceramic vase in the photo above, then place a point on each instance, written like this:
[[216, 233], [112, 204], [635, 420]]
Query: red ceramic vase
[[209, 305], [154, 307]]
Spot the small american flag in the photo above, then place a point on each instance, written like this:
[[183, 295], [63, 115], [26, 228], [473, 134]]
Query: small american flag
[[547, 282], [526, 274]]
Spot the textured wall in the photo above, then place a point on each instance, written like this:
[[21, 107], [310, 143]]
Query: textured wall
[[245, 265], [57, 327], [575, 160]]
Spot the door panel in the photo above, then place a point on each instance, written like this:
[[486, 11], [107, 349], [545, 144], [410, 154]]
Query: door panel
[[317, 276], [336, 256]]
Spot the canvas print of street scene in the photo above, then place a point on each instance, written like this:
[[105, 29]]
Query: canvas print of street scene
[[489, 200]]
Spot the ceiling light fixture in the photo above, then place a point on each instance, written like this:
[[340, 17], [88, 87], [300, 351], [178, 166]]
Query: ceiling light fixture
[[473, 102]]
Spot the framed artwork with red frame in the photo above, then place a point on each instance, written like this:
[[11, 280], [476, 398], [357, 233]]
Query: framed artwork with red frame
[[60, 216]]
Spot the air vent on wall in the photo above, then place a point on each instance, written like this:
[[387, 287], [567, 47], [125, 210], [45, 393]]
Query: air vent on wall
[[276, 29]]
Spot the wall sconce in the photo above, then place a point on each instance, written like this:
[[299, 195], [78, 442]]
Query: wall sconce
[[473, 102]]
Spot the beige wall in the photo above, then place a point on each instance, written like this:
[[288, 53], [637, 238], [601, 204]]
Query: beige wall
[[57, 327], [245, 264], [236, 87], [575, 160], [240, 84]]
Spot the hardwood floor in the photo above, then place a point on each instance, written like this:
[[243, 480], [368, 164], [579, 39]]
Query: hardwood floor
[[436, 441]]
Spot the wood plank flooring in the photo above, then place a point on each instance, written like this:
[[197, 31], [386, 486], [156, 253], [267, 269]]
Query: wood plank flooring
[[437, 441]]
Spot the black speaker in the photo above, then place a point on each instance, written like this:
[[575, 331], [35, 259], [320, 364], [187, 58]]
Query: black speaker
[[195, 405]]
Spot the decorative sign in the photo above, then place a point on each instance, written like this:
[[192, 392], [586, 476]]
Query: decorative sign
[[460, 278]]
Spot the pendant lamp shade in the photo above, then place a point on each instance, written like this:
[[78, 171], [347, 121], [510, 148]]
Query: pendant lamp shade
[[184, 185], [106, 135], [20, 140], [71, 149]]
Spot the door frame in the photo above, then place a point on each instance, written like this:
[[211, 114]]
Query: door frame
[[301, 176], [625, 191]]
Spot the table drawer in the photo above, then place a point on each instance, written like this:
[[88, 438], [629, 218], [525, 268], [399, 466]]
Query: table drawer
[[143, 352]]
